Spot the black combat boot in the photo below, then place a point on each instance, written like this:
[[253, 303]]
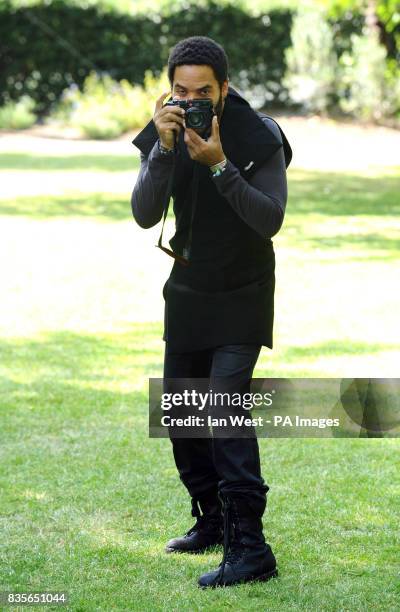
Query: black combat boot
[[208, 529], [247, 557]]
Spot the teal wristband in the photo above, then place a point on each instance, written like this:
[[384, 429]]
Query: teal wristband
[[218, 169], [219, 172]]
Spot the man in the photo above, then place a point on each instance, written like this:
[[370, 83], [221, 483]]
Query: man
[[229, 193]]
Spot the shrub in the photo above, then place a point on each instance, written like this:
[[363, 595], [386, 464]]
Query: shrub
[[107, 108], [369, 89], [18, 115], [312, 65]]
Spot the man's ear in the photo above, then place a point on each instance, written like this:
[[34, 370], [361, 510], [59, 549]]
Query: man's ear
[[225, 86]]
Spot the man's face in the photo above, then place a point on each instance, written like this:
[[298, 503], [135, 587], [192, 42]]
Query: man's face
[[192, 81]]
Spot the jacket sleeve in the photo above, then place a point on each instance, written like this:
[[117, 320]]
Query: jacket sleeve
[[147, 199], [261, 201]]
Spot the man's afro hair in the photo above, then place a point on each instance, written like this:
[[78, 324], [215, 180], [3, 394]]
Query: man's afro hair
[[199, 50]]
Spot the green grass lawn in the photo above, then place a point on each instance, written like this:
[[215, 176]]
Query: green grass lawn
[[88, 500]]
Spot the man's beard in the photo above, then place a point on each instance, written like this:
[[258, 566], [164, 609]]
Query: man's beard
[[219, 107]]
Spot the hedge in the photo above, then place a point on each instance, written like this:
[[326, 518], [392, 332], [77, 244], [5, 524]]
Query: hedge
[[46, 47]]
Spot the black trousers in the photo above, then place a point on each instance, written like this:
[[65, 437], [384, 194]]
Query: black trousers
[[232, 464]]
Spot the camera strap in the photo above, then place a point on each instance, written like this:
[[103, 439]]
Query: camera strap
[[186, 250], [195, 188]]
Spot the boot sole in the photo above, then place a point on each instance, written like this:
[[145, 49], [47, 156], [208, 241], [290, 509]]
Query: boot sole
[[260, 578], [193, 552], [267, 576]]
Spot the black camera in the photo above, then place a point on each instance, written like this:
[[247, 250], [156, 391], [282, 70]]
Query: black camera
[[198, 113]]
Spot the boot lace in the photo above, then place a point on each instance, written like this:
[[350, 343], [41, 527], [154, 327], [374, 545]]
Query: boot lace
[[203, 522], [233, 555], [233, 550], [200, 523]]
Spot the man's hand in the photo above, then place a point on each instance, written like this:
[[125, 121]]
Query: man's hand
[[168, 119], [208, 152]]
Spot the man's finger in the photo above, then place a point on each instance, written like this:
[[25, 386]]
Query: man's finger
[[186, 136], [193, 135], [159, 103], [215, 127], [190, 144]]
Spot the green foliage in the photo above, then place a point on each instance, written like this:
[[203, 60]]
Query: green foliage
[[66, 42], [18, 115], [107, 108], [387, 13], [311, 60], [369, 90], [69, 39]]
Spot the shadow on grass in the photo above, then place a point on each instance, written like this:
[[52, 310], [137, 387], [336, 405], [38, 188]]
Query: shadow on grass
[[95, 206], [372, 242], [335, 194], [92, 362], [74, 375], [335, 348], [90, 162], [311, 193], [72, 356]]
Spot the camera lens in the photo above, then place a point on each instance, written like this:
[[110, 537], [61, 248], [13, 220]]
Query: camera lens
[[195, 118]]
